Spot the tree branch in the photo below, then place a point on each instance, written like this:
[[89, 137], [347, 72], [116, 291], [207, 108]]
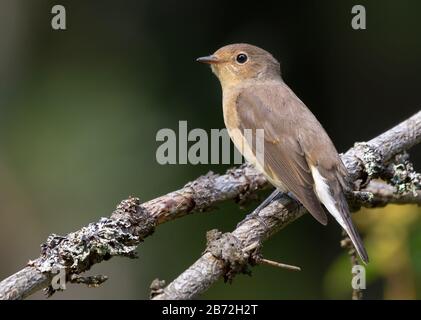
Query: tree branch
[[129, 225], [364, 162], [131, 222]]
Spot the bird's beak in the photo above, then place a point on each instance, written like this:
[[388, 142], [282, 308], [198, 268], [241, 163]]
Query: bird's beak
[[208, 59]]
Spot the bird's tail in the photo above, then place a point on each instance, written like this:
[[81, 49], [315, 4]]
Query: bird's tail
[[356, 240], [331, 195]]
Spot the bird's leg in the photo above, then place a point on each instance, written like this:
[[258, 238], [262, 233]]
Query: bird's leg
[[276, 194], [293, 197], [273, 196]]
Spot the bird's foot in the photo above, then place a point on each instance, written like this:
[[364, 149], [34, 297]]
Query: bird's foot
[[276, 194]]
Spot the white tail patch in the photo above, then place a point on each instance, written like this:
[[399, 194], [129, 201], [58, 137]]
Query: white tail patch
[[325, 196]]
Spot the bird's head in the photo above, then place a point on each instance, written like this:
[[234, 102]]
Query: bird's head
[[235, 63]]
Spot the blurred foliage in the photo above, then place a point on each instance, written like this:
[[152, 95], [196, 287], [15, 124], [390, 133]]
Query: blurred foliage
[[79, 111], [389, 231]]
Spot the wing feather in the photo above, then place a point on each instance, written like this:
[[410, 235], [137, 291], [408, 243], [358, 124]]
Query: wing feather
[[295, 148], [285, 160]]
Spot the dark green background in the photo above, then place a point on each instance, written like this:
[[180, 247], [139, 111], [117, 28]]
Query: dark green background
[[79, 111]]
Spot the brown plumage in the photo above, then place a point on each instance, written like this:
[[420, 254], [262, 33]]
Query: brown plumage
[[298, 155]]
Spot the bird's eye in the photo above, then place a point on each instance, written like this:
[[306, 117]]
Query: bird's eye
[[241, 58]]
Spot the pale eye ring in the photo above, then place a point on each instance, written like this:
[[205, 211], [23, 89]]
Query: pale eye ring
[[241, 58]]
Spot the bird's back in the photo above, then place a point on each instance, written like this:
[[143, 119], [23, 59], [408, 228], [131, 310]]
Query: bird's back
[[273, 107]]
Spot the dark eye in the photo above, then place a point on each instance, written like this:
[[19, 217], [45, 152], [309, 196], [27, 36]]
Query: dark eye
[[241, 58]]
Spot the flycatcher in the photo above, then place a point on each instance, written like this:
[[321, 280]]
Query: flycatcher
[[298, 155]]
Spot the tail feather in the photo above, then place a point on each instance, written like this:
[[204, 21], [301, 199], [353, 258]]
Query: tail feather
[[355, 239], [331, 195]]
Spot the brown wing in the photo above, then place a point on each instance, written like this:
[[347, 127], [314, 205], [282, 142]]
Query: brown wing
[[285, 120]]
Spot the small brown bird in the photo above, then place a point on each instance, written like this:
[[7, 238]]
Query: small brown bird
[[299, 156]]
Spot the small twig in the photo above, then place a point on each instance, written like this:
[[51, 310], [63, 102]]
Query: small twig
[[90, 281], [253, 251], [346, 243], [277, 264]]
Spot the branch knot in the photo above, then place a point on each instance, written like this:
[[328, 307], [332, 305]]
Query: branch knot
[[229, 249]]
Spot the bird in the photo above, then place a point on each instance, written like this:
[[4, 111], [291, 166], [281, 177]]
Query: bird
[[298, 157]]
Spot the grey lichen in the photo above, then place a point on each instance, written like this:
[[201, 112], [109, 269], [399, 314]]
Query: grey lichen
[[358, 198], [97, 241], [78, 251], [370, 159], [405, 179], [399, 171]]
